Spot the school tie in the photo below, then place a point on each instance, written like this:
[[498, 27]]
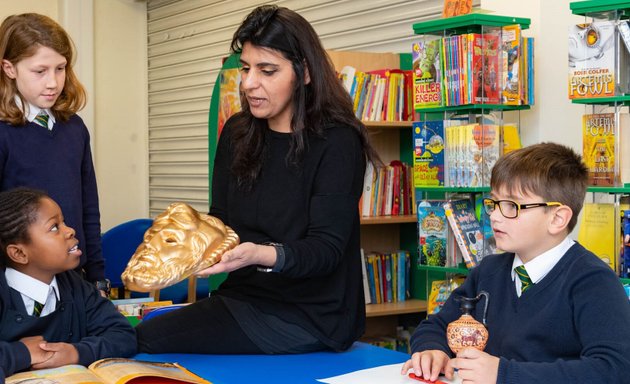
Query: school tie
[[42, 119], [37, 308], [526, 282]]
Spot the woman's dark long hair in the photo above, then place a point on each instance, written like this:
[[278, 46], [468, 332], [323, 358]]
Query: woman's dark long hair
[[315, 105]]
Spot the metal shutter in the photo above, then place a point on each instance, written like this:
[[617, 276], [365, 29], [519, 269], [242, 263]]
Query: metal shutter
[[187, 40]]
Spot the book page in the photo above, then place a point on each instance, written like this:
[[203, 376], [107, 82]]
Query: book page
[[69, 374], [122, 371]]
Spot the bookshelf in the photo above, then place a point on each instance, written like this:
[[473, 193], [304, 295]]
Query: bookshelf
[[466, 107], [392, 141], [612, 100]]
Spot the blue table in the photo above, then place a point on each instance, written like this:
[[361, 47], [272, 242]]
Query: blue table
[[278, 369]]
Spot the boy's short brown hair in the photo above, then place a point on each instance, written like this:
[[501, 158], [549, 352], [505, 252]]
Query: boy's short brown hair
[[552, 171]]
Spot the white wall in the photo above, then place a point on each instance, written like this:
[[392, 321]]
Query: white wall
[[110, 36]]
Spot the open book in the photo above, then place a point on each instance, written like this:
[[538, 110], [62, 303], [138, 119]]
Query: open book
[[110, 371]]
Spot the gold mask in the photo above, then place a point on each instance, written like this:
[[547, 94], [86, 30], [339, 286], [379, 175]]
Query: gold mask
[[180, 242]]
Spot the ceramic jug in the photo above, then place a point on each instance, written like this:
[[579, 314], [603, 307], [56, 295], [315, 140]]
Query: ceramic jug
[[466, 331]]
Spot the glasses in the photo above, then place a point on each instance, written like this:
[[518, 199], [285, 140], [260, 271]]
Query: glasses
[[510, 210]]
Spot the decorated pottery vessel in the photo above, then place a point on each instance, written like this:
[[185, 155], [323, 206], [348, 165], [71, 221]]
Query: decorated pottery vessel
[[467, 332]]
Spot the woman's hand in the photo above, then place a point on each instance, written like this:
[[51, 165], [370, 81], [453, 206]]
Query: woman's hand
[[241, 256]]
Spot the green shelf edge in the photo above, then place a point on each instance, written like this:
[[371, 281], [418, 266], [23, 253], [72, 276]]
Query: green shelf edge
[[624, 100], [462, 271], [474, 108], [594, 6], [468, 21], [624, 280], [624, 189]]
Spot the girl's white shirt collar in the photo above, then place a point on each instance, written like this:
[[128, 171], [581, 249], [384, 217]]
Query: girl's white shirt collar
[[32, 111], [33, 290]]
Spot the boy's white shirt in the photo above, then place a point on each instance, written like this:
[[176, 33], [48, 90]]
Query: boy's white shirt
[[33, 290], [539, 266], [32, 111]]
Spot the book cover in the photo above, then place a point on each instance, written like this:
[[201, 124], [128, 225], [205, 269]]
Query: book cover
[[440, 292], [597, 231], [605, 148], [111, 371], [510, 60], [625, 262], [368, 190], [427, 76], [428, 153], [483, 148], [466, 230], [485, 68], [432, 233], [592, 60]]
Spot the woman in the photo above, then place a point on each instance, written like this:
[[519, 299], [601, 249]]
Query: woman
[[288, 176]]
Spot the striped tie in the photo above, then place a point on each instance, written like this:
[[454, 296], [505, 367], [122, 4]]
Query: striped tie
[[41, 119], [37, 308], [526, 282]]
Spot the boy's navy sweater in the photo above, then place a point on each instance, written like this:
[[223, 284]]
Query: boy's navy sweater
[[58, 162], [82, 317], [571, 327]]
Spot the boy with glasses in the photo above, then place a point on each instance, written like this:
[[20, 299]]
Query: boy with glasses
[[556, 313]]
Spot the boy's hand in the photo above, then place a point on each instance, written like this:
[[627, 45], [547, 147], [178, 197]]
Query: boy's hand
[[38, 355], [428, 365], [474, 366], [63, 354]]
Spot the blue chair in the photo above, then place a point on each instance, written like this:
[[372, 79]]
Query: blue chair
[[119, 244]]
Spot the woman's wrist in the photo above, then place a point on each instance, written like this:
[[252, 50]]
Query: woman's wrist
[[278, 263]]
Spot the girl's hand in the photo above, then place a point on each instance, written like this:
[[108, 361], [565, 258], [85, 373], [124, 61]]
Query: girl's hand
[[38, 355], [241, 256], [63, 354]]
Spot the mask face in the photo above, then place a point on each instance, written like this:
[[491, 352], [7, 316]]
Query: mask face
[[180, 242]]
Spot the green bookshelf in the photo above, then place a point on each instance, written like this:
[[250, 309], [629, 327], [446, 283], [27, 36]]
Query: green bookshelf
[[472, 22], [595, 6]]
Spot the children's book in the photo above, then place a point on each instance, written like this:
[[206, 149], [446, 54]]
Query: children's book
[[592, 60], [510, 60], [597, 231], [625, 239], [485, 68], [366, 285], [428, 153], [427, 73], [605, 148], [432, 233], [440, 292], [466, 229], [229, 95], [111, 371]]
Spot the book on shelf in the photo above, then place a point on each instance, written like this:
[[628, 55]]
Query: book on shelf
[[625, 246], [471, 151], [440, 292], [484, 61], [111, 371], [511, 138], [366, 284], [597, 231], [511, 61], [605, 148], [592, 60], [466, 229], [387, 276], [428, 153], [432, 233], [427, 73]]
